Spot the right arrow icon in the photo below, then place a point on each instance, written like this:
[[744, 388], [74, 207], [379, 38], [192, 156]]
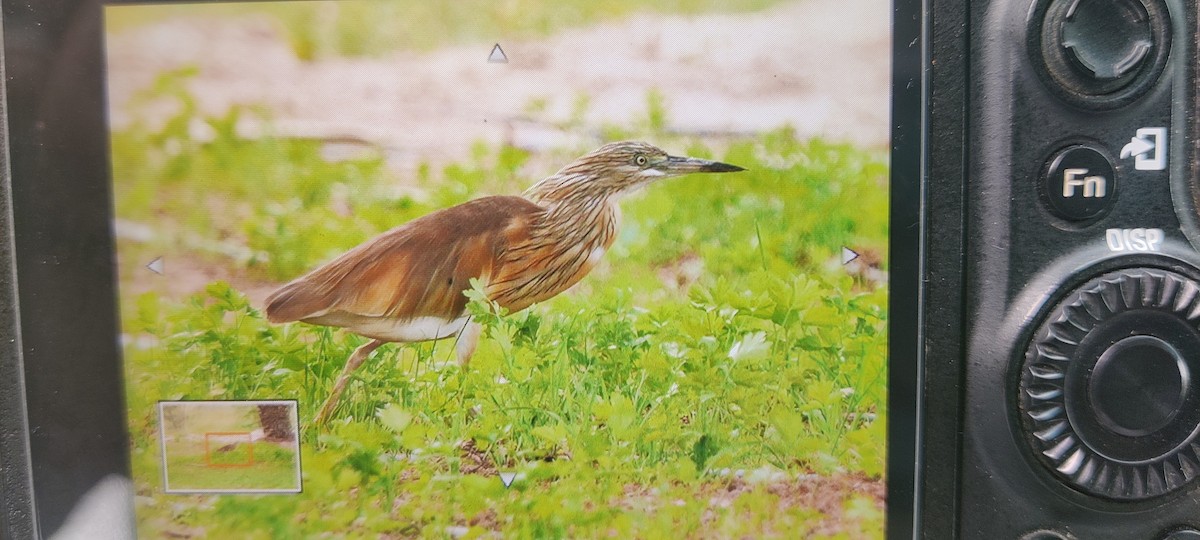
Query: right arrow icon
[[1136, 147], [848, 255]]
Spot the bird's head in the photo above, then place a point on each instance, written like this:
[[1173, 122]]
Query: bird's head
[[618, 168]]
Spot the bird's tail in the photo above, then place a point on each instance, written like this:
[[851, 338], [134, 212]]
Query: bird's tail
[[293, 302]]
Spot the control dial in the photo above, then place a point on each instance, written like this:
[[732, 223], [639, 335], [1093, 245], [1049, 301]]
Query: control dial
[[1108, 390]]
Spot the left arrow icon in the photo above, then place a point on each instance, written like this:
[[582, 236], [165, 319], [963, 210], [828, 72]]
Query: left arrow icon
[[156, 266]]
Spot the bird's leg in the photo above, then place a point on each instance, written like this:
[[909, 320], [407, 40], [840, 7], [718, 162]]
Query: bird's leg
[[468, 338], [356, 359]]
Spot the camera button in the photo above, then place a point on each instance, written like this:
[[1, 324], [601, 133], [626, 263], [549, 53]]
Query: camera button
[[1139, 385], [1079, 183], [1099, 54], [1106, 40]]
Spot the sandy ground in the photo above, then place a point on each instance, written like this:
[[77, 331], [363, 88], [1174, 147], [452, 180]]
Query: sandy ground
[[821, 67]]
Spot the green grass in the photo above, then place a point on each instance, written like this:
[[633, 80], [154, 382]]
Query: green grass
[[648, 402], [273, 468]]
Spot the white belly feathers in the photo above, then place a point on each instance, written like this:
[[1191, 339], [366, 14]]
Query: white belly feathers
[[386, 329]]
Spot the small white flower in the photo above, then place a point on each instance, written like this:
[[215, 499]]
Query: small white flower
[[750, 346]]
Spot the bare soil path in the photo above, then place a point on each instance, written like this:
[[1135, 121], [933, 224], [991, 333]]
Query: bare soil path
[[821, 67]]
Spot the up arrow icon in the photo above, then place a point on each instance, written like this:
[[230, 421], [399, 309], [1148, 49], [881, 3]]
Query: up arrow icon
[[497, 56]]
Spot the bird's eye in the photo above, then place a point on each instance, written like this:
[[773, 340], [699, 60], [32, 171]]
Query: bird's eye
[[640, 160]]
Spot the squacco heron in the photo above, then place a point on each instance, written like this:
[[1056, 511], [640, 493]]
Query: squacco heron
[[408, 284]]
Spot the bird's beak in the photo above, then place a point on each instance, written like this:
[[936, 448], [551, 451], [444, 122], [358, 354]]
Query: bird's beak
[[685, 165]]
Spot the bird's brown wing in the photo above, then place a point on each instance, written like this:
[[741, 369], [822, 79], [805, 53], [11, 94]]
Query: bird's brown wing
[[419, 269]]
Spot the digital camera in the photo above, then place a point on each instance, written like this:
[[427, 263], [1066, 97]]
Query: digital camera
[[941, 279], [1059, 332]]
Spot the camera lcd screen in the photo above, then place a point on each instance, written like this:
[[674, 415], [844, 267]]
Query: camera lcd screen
[[611, 269]]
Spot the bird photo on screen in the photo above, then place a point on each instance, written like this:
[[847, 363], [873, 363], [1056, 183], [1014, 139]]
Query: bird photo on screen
[[407, 284]]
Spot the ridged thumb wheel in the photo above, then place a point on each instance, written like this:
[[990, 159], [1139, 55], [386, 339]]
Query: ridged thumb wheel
[[1108, 392]]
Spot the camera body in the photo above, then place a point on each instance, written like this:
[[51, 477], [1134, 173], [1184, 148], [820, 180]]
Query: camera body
[[1061, 341]]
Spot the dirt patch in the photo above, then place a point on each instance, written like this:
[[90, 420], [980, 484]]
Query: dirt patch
[[186, 275], [821, 67], [475, 460], [825, 494], [683, 272]]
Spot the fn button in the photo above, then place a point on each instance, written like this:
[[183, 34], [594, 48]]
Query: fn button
[[1079, 183]]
